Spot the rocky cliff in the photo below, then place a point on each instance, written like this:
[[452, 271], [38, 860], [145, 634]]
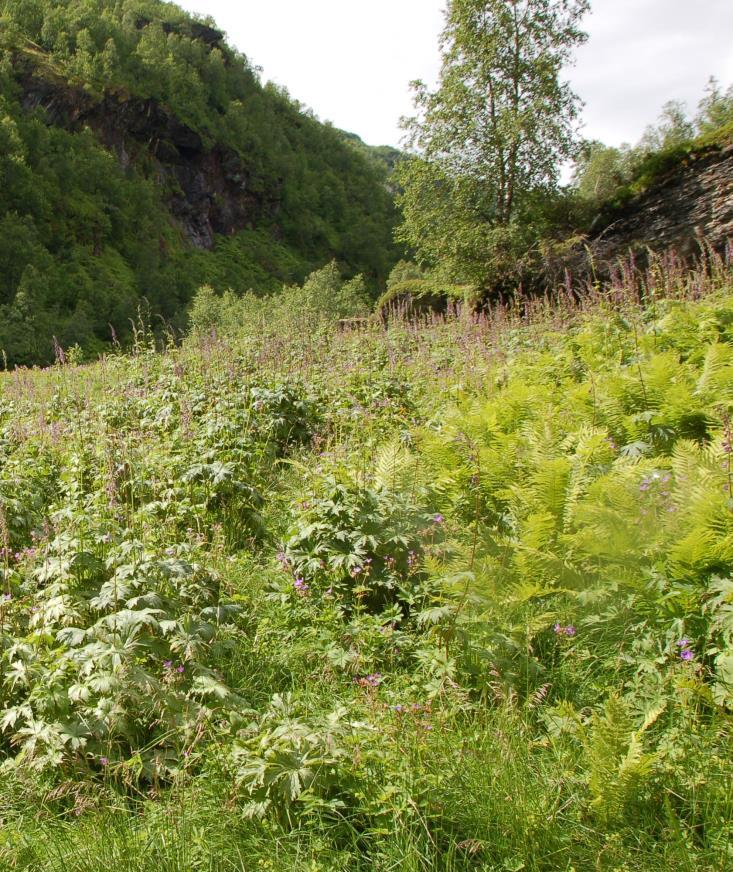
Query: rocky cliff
[[687, 210], [207, 188]]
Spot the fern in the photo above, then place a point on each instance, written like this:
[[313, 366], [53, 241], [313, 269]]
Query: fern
[[619, 769]]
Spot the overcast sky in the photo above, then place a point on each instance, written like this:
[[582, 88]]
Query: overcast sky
[[351, 61]]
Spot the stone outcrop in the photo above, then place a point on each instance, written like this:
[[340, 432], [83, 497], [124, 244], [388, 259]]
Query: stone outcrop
[[688, 210], [207, 186]]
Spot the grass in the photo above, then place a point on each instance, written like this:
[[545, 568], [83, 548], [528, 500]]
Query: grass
[[419, 593]]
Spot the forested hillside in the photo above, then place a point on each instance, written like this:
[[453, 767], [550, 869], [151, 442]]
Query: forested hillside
[[140, 156]]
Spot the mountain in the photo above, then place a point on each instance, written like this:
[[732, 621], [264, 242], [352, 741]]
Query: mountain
[[141, 156]]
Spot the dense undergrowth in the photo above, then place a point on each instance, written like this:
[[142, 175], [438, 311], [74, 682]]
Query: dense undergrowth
[[453, 595]]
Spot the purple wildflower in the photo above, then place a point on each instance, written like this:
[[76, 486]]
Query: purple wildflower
[[103, 761], [168, 664], [181, 669], [301, 588], [438, 519], [373, 680], [687, 654]]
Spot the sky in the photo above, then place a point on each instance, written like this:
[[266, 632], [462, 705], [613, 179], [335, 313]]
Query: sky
[[351, 61]]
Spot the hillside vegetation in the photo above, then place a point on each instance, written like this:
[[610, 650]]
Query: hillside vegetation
[[125, 127], [445, 596]]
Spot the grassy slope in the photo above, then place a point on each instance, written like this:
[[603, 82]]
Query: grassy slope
[[492, 536]]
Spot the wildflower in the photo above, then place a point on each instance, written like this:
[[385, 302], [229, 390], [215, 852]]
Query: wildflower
[[558, 629], [181, 669], [438, 519], [684, 643], [103, 761], [687, 654], [373, 680], [570, 631], [168, 664], [301, 588]]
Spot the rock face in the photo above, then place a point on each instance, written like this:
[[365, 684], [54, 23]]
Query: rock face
[[207, 188], [687, 210]]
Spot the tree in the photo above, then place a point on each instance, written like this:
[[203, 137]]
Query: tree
[[600, 170], [488, 144], [715, 110], [673, 128]]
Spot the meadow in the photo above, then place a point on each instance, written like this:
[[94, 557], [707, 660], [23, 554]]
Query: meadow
[[442, 594]]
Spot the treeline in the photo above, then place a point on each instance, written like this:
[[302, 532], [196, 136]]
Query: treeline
[[84, 238]]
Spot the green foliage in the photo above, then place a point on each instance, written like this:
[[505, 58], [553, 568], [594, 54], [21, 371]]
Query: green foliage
[[290, 760], [358, 545], [453, 595], [87, 232], [113, 665], [323, 299], [607, 176], [491, 137]]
